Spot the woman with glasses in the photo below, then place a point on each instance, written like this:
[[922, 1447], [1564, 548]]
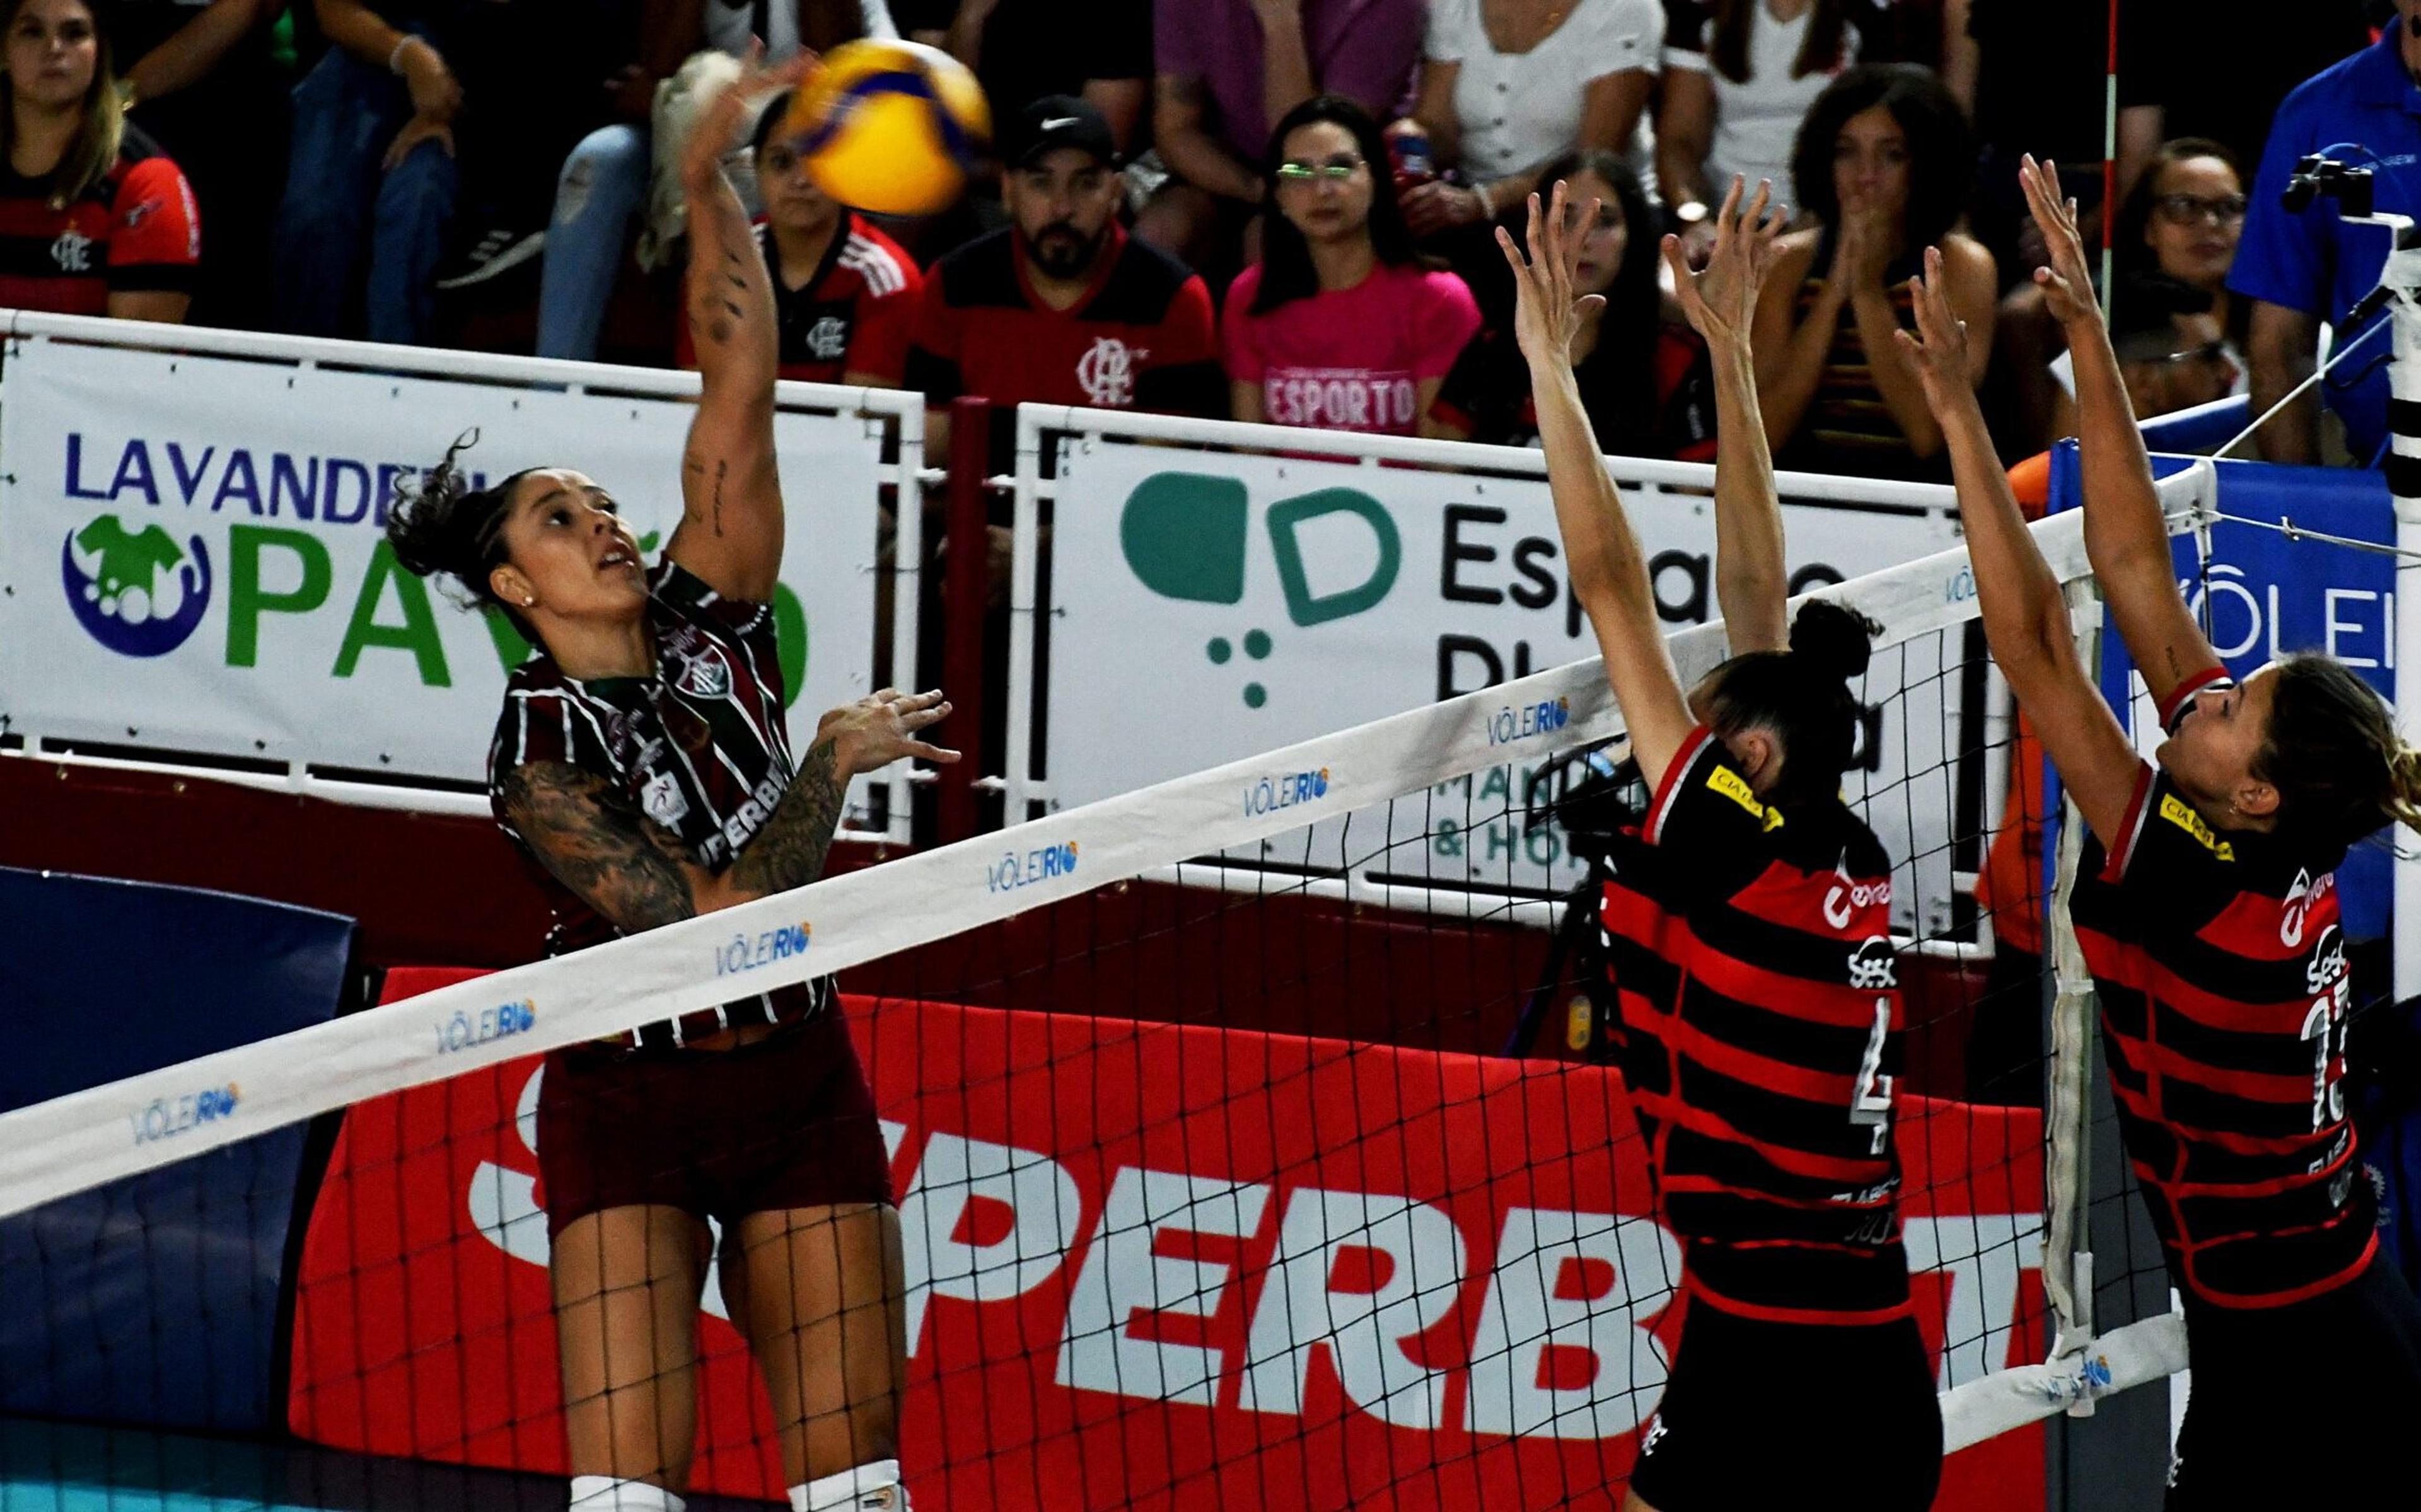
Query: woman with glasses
[[1341, 325]]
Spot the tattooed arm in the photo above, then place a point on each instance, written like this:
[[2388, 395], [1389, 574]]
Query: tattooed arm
[[584, 828], [730, 533]]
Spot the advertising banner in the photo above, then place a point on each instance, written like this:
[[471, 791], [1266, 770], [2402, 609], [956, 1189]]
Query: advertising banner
[[1206, 606], [192, 555], [1180, 1265]]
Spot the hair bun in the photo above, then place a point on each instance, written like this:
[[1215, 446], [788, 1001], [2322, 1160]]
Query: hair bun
[[1835, 640]]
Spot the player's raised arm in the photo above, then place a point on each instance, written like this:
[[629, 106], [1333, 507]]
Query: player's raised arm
[[730, 533], [2024, 613], [1752, 583], [1609, 570], [2125, 536]]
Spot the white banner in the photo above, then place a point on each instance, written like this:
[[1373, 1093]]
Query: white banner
[[192, 551], [1206, 605]]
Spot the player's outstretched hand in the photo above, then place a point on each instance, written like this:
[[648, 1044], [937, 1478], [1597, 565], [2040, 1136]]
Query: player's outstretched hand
[[1939, 348], [1721, 302], [1546, 317], [716, 129], [2068, 283], [877, 730]]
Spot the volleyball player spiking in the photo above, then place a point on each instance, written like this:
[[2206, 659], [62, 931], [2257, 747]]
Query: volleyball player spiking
[[2205, 903], [642, 760], [1749, 925]]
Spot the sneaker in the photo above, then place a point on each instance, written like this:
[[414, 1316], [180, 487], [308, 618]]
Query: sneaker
[[499, 251]]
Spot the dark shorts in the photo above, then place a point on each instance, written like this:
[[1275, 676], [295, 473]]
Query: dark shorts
[[787, 1122], [2304, 1406], [1798, 1416]]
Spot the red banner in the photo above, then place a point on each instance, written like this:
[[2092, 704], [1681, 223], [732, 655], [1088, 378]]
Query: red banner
[[1159, 1266]]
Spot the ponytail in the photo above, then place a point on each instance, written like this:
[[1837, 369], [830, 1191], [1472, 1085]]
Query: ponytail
[[442, 527]]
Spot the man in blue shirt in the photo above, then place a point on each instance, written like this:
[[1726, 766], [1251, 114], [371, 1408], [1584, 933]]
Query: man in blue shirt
[[2301, 269]]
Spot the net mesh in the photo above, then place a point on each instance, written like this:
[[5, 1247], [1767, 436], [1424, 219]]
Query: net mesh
[[1253, 1142]]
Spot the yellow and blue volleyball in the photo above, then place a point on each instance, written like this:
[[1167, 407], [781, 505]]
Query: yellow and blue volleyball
[[890, 127]]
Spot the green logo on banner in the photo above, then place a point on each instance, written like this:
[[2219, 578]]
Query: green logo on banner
[[1185, 536]]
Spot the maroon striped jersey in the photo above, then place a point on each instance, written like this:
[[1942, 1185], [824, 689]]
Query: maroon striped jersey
[[2220, 966], [1751, 949], [701, 747]]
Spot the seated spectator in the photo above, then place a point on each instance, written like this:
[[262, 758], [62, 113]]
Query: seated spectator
[[1739, 77], [2304, 266], [1341, 325], [101, 223], [1503, 93], [844, 294], [1061, 306], [201, 78], [1644, 375], [1022, 50], [2173, 352], [1883, 167], [2178, 224], [1228, 68]]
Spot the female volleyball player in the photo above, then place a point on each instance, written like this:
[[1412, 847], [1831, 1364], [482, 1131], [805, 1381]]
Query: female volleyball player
[[2206, 906], [1750, 927], [642, 759]]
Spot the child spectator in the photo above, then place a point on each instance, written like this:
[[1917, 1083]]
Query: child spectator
[[1739, 77], [844, 293], [99, 222], [1504, 92], [1340, 324], [1883, 167], [1644, 374]]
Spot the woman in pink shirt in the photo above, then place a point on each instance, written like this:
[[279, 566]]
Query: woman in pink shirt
[[1342, 325]]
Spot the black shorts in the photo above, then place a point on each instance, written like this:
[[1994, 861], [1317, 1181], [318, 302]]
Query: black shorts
[[2302, 1406], [786, 1122], [1801, 1415]]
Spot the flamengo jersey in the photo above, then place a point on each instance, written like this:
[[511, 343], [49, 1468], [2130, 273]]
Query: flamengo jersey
[[1752, 955], [136, 229], [2221, 968], [1142, 337], [852, 315], [700, 748]]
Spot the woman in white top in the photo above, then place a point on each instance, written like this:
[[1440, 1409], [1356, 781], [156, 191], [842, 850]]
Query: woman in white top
[[1739, 77], [1508, 83]]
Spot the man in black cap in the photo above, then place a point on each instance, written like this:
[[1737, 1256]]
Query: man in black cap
[[1061, 306]]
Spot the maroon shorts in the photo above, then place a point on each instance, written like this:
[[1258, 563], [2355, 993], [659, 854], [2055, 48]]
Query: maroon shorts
[[787, 1122]]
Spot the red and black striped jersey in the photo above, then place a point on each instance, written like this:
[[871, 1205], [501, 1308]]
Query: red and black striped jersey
[[136, 229], [850, 315], [1751, 949], [701, 748], [2221, 968]]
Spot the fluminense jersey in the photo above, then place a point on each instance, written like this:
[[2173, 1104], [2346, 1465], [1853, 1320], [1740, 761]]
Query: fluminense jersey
[[1751, 949], [2221, 968], [700, 748]]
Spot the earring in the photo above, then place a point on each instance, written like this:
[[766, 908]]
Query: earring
[[529, 603]]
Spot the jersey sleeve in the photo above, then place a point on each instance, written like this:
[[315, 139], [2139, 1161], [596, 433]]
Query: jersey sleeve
[[2167, 861], [1705, 821], [935, 343], [1445, 320], [155, 236], [545, 725]]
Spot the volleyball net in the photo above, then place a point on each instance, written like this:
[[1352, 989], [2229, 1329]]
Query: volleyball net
[[1254, 1139]]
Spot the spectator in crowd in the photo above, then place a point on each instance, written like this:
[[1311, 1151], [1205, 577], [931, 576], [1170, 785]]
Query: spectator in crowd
[[200, 78], [844, 293], [2182, 75], [1341, 324], [2177, 226], [1022, 50], [1061, 306], [1645, 379], [1739, 77], [1228, 69], [1503, 88], [103, 223], [1883, 167], [2304, 266], [2173, 350], [615, 172]]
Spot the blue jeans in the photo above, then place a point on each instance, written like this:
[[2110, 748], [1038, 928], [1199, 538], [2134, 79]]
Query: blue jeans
[[343, 208], [605, 183]]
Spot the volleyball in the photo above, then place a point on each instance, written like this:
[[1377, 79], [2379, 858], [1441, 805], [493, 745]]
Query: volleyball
[[890, 127]]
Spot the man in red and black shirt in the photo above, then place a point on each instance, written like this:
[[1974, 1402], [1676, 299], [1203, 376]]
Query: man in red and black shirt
[[1061, 306], [128, 247]]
